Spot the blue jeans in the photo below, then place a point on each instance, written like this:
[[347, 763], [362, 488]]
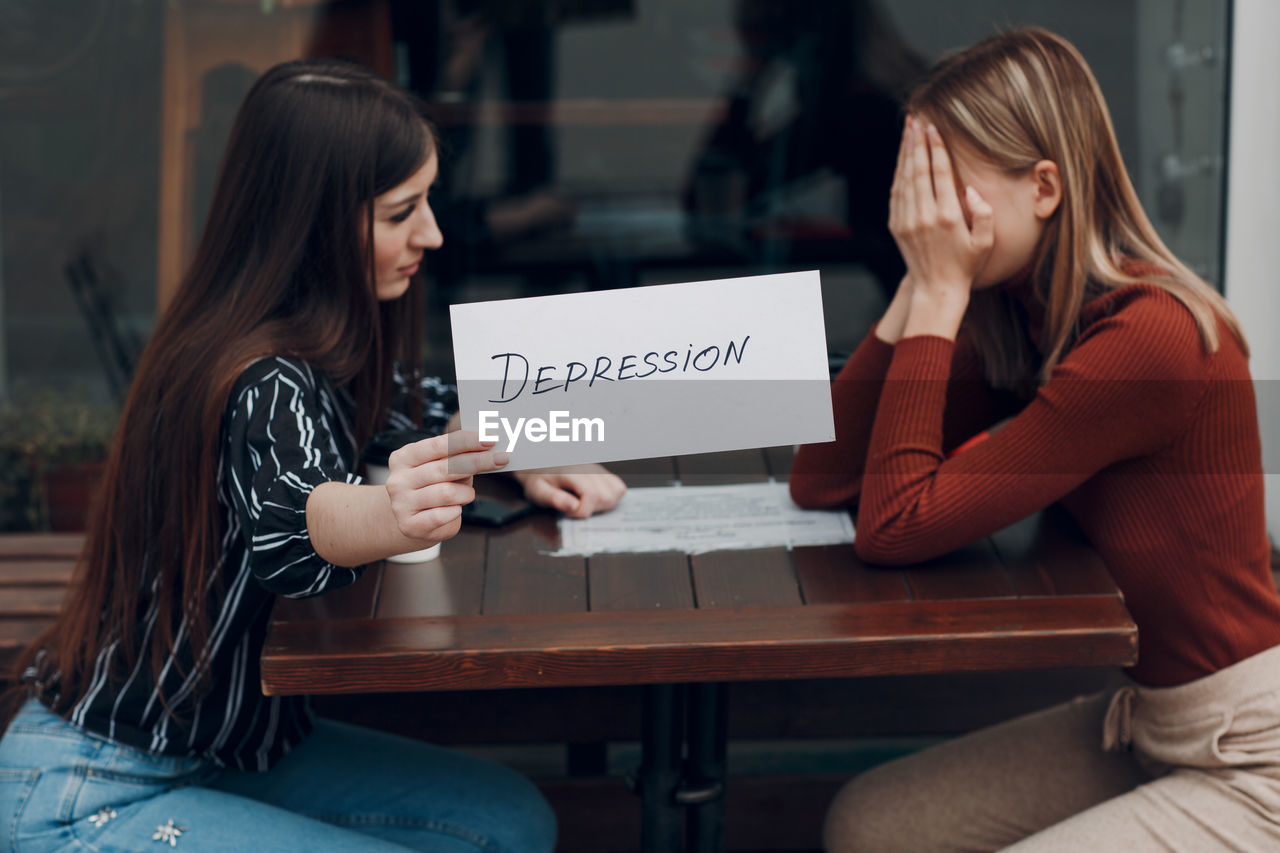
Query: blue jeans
[[344, 788]]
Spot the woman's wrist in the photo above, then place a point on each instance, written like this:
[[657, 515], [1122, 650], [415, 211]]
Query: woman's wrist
[[889, 329], [350, 525], [936, 311]]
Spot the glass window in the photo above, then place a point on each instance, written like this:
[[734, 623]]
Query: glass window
[[640, 141], [587, 143]]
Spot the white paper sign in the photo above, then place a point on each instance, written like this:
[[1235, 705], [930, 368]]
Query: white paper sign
[[647, 371], [697, 519]]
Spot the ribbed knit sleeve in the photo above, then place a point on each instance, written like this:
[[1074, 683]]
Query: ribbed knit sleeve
[[830, 474], [1145, 437], [1128, 387]]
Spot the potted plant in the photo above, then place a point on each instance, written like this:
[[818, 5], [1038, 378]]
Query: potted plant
[[53, 448]]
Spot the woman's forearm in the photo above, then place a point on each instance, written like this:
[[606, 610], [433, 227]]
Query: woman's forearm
[[350, 525], [891, 325], [936, 311]]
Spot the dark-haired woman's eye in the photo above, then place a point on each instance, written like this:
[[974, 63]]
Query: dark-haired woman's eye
[[404, 214]]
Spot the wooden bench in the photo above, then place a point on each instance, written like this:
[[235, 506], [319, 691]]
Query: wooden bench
[[35, 569], [780, 811]]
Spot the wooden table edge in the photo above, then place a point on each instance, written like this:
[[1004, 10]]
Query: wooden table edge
[[528, 650]]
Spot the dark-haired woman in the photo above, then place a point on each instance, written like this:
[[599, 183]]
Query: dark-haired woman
[[232, 480]]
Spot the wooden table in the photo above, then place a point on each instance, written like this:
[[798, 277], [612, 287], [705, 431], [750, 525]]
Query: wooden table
[[497, 611]]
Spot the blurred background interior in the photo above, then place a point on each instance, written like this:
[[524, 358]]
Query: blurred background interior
[[587, 144]]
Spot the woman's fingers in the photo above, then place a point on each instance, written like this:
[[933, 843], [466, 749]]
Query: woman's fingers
[[922, 179], [597, 490], [420, 513], [458, 466], [543, 492], [899, 181], [904, 146], [432, 525], [983, 232], [435, 495], [944, 186], [927, 219], [578, 490], [440, 447], [430, 480], [909, 207]]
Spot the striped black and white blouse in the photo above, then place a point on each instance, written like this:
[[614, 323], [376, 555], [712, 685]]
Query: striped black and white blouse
[[286, 430]]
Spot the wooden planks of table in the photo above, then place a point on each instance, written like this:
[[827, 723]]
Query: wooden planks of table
[[496, 610]]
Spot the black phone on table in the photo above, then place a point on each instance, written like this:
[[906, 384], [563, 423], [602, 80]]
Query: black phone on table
[[487, 512]]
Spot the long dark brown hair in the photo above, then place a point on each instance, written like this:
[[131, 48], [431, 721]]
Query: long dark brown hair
[[284, 267]]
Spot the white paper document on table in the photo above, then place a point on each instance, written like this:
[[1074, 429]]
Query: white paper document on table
[[696, 519]]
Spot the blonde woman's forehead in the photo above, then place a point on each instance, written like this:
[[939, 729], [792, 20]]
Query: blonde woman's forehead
[[964, 157]]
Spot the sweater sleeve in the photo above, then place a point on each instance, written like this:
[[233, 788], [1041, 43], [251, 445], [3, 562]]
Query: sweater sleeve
[[280, 443], [830, 474], [1128, 387]]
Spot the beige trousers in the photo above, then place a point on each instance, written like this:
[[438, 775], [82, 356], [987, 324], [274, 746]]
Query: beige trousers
[[1188, 769]]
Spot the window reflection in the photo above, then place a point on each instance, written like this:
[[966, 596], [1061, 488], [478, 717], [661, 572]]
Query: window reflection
[[588, 143], [798, 168]]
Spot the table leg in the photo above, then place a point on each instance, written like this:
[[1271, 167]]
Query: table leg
[[661, 738], [702, 792]]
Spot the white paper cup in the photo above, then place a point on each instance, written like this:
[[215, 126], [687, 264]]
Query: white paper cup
[[377, 476]]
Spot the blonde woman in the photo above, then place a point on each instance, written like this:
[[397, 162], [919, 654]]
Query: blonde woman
[[1038, 298]]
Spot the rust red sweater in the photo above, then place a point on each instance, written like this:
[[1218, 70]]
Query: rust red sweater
[[1147, 439]]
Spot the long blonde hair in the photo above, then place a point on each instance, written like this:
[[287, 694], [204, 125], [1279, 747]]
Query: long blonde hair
[[1024, 96]]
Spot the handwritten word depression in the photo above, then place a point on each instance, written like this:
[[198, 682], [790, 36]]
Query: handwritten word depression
[[516, 367]]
